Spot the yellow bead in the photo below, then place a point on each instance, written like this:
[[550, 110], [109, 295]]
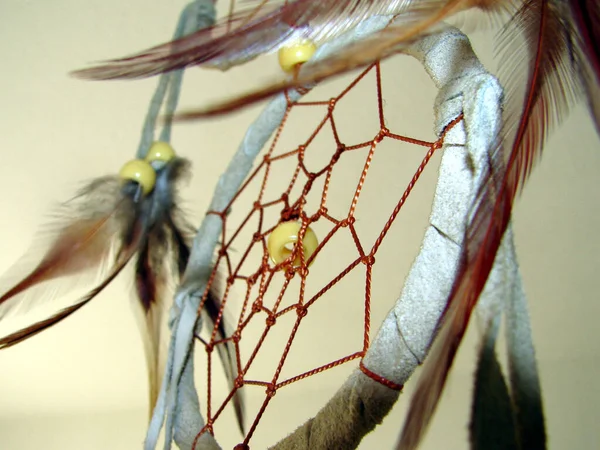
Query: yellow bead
[[293, 55], [141, 172], [283, 239], [160, 151]]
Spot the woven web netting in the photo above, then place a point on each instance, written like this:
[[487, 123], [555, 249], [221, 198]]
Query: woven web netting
[[348, 184]]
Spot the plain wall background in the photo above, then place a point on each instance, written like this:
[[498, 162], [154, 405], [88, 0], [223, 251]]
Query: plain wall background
[[82, 384]]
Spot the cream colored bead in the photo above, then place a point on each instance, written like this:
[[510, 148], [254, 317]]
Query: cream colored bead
[[141, 172], [295, 54], [283, 239], [160, 151]]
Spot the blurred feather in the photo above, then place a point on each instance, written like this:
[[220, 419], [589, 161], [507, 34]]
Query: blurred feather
[[586, 18], [31, 330], [246, 35], [379, 45], [157, 266], [108, 219], [492, 424], [153, 294], [417, 20], [526, 392], [266, 27], [77, 243], [550, 89]]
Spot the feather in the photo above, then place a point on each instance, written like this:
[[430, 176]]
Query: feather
[[586, 18], [152, 271], [380, 45], [168, 242], [152, 298], [32, 330], [551, 88], [77, 253], [253, 32], [492, 424], [107, 215], [79, 243], [417, 20], [246, 35]]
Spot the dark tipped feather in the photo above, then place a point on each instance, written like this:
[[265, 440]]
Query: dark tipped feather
[[586, 15], [145, 278], [152, 296], [586, 18], [153, 269], [550, 91], [181, 232], [32, 330], [492, 424]]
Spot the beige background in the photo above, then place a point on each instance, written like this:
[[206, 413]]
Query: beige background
[[82, 384]]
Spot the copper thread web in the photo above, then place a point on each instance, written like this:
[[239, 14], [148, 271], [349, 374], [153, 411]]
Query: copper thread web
[[293, 209]]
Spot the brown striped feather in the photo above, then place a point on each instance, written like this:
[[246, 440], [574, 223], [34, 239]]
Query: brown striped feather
[[25, 333], [417, 20], [78, 244]]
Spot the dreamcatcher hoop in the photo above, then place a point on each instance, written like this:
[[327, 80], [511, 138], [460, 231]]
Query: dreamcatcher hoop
[[469, 106]]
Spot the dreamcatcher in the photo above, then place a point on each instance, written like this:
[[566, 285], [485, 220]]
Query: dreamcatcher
[[335, 37]]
